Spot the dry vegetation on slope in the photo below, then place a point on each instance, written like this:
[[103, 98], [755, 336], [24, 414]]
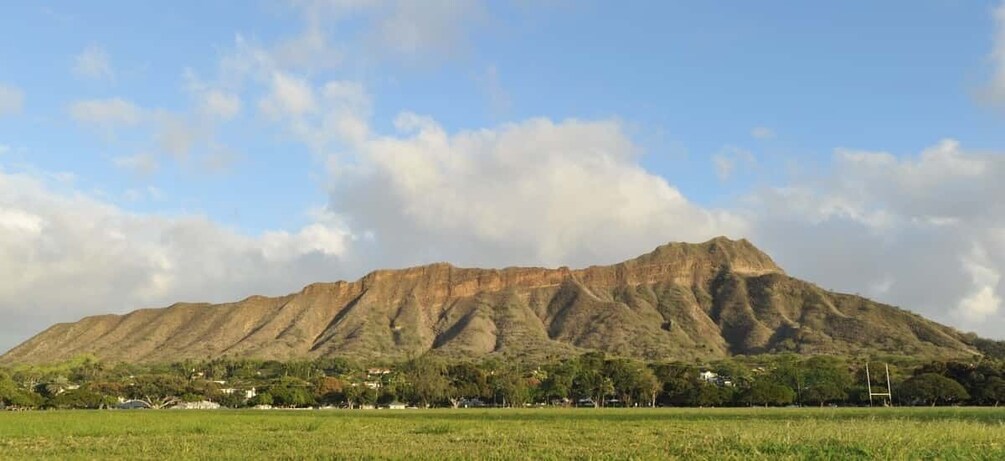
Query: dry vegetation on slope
[[680, 301]]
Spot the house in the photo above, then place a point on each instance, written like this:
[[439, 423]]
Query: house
[[712, 377], [377, 371], [202, 405], [246, 393]]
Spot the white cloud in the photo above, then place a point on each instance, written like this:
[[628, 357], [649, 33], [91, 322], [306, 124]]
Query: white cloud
[[15, 220], [178, 135], [335, 118], [535, 192], [93, 63], [11, 99], [983, 301], [289, 96], [762, 133], [149, 193], [214, 101], [220, 105], [921, 231], [67, 254], [106, 113], [143, 163], [219, 158]]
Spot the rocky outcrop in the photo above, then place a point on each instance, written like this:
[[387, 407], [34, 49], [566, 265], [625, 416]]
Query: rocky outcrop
[[681, 301]]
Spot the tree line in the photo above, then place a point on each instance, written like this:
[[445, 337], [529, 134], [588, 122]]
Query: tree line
[[591, 379]]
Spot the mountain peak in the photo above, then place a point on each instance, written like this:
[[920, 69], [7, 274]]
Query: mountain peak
[[739, 256], [680, 301]]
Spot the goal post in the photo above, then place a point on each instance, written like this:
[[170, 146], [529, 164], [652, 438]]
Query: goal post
[[868, 383]]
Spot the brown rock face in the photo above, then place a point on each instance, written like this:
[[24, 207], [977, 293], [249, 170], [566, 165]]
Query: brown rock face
[[681, 301]]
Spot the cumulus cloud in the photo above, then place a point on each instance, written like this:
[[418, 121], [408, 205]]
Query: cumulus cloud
[[177, 135], [93, 63], [535, 192], [330, 117], [214, 101], [984, 300], [924, 231], [289, 95], [67, 254], [142, 164], [150, 193], [220, 105], [106, 113], [11, 99]]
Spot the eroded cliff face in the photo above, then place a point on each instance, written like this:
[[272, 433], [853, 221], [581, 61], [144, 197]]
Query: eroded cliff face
[[680, 301]]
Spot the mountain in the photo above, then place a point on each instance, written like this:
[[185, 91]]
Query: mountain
[[681, 301]]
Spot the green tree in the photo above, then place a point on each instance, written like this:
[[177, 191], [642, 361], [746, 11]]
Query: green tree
[[827, 380], [329, 390], [291, 392], [511, 386], [680, 382], [158, 390], [12, 395], [232, 400], [466, 380], [768, 393], [81, 399], [357, 395], [262, 398], [992, 391], [558, 382], [633, 382], [931, 388], [427, 381], [710, 395], [591, 381], [734, 371]]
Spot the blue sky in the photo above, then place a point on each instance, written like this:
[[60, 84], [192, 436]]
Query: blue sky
[[859, 143]]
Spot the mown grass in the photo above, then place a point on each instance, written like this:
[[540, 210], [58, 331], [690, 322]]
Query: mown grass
[[809, 433]]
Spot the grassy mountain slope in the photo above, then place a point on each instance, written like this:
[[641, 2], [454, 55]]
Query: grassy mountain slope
[[681, 301]]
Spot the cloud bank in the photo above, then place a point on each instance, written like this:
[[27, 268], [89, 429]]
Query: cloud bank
[[923, 230]]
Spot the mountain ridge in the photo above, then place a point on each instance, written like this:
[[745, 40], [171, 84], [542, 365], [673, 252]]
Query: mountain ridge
[[681, 301]]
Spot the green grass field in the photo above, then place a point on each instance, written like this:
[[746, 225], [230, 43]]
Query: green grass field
[[881, 433]]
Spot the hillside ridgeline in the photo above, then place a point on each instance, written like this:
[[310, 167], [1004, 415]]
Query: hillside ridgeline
[[681, 301]]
